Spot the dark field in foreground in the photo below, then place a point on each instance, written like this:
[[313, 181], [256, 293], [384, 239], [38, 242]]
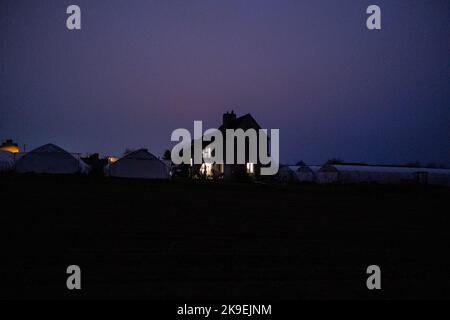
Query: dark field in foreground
[[186, 240]]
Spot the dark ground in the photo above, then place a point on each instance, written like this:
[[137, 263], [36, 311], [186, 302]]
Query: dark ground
[[187, 240]]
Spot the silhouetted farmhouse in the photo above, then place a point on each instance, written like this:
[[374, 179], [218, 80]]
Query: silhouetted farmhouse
[[138, 164], [230, 171]]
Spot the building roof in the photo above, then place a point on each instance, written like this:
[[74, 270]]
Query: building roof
[[48, 148], [50, 158], [138, 164], [305, 168], [141, 154], [244, 122]]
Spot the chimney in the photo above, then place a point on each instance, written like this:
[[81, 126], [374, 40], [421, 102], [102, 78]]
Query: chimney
[[228, 119]]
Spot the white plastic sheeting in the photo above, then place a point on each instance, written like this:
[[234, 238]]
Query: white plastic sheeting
[[298, 173], [307, 173], [138, 164], [380, 174], [287, 173], [50, 159], [6, 160]]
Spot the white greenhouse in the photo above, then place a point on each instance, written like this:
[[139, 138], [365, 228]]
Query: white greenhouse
[[50, 159], [138, 164], [382, 174]]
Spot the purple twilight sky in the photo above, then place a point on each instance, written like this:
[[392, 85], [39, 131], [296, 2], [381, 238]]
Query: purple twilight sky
[[139, 69]]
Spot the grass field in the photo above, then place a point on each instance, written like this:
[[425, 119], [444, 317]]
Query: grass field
[[207, 240]]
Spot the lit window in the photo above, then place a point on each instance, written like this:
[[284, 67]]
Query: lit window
[[250, 168], [207, 153], [206, 169]]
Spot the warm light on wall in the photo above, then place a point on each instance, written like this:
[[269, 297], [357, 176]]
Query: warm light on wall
[[206, 169], [13, 149], [112, 159], [10, 146]]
